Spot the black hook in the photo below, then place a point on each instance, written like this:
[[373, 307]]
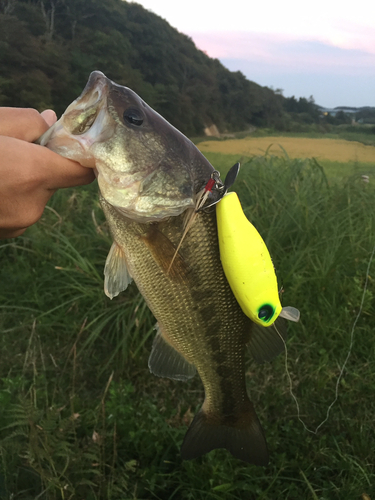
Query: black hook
[[229, 181]]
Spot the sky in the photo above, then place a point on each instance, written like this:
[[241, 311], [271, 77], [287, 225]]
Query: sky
[[324, 48]]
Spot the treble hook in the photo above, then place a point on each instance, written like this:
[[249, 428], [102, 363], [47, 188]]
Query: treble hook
[[215, 181]]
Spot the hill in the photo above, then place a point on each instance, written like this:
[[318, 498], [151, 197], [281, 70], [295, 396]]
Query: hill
[[49, 47]]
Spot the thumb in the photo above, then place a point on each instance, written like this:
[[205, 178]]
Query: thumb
[[49, 116]]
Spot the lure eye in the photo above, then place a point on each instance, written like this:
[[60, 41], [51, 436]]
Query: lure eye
[[265, 313], [133, 116]]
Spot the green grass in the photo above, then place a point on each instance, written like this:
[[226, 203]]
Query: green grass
[[336, 170], [81, 417], [223, 162]]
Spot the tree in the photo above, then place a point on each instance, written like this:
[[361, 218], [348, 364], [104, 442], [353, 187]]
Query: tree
[[7, 6]]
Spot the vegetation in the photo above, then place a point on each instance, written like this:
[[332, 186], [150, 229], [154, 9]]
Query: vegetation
[[49, 47], [81, 416], [364, 134], [322, 148]]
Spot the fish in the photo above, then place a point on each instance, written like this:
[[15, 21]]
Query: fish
[[151, 179]]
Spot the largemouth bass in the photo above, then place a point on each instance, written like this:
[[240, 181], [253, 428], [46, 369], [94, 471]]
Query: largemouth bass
[[150, 176]]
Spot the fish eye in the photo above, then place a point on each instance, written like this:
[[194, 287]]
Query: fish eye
[[133, 116], [265, 312]]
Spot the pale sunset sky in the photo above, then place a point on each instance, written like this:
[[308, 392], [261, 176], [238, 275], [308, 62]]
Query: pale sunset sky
[[324, 48]]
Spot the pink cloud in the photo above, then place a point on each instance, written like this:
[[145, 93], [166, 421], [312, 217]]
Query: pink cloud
[[287, 52], [236, 43], [352, 35]]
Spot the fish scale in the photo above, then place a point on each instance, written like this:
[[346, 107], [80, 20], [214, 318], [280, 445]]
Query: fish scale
[[216, 342]]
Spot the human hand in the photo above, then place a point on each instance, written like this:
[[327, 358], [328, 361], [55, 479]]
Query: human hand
[[29, 173]]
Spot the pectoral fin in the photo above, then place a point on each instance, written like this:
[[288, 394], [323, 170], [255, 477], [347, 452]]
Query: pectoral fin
[[165, 255], [116, 274], [165, 361], [268, 342]]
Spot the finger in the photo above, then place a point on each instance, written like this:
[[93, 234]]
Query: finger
[[58, 172], [62, 172], [22, 123], [11, 233], [49, 116], [38, 166]]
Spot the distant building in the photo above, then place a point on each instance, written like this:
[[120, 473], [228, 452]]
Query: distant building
[[364, 115], [334, 111]]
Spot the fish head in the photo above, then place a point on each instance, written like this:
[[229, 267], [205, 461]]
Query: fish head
[[145, 167]]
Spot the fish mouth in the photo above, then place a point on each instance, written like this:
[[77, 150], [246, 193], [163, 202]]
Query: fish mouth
[[84, 123], [143, 165]]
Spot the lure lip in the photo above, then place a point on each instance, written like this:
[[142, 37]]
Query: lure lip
[[290, 313]]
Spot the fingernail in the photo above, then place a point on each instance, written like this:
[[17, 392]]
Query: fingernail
[[49, 116]]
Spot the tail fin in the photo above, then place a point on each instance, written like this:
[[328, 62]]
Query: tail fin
[[244, 437]]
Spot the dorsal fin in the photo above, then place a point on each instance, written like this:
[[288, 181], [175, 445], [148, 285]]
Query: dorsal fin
[[165, 361], [116, 274]]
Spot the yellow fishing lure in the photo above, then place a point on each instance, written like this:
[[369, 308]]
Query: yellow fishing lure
[[247, 264]]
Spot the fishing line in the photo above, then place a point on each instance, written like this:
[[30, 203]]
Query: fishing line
[[344, 364], [201, 199]]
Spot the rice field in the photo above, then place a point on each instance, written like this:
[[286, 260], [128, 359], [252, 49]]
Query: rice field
[[295, 147]]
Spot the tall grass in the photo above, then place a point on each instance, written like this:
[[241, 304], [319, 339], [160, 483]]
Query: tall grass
[[81, 417]]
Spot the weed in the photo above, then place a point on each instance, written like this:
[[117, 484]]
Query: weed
[[81, 416]]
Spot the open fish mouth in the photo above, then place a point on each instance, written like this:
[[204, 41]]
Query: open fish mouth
[[138, 162], [84, 123]]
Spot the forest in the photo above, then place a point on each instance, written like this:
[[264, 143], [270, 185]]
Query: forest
[[48, 48]]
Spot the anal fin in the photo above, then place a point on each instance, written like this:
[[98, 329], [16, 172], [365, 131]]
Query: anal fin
[[268, 342], [165, 361], [116, 274]]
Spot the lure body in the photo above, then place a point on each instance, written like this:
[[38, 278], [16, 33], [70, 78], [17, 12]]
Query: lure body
[[247, 263]]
